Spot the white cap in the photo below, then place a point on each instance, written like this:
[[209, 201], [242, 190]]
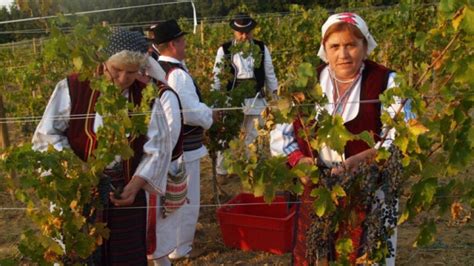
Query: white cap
[[353, 19]]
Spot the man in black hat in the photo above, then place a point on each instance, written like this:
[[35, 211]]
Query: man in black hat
[[244, 69], [197, 116]]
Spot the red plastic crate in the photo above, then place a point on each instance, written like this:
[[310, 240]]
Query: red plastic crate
[[257, 226]]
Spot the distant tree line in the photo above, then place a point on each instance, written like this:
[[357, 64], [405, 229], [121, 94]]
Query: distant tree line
[[214, 9]]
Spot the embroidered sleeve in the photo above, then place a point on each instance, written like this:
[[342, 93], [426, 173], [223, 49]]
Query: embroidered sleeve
[[283, 143], [157, 152], [53, 125], [170, 106]]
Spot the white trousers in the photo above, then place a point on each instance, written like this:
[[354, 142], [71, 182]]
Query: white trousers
[[189, 213], [164, 261], [166, 234], [250, 135]]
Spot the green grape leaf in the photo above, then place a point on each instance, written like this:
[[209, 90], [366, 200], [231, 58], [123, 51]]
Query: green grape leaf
[[333, 133], [258, 188], [344, 246], [77, 61], [467, 23], [367, 137], [337, 192], [426, 235], [323, 203]]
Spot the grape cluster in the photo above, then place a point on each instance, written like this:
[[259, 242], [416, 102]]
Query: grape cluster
[[391, 175], [376, 187], [382, 197], [104, 189], [329, 180], [318, 237]]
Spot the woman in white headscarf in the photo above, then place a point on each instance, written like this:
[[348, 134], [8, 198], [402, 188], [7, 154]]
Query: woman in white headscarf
[[347, 79]]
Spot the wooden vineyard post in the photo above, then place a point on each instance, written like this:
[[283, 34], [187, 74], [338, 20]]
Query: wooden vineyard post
[[214, 178], [202, 32], [34, 46], [4, 140]]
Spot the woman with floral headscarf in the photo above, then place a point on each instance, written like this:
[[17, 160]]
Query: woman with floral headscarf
[[125, 215], [352, 84]]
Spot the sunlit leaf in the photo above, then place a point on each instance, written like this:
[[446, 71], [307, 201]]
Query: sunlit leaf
[[468, 21], [416, 128], [344, 246], [458, 18]]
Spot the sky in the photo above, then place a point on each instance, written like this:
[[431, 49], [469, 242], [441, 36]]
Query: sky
[[5, 2]]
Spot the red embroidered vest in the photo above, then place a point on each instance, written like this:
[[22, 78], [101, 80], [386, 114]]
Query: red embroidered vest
[[374, 82], [81, 134]]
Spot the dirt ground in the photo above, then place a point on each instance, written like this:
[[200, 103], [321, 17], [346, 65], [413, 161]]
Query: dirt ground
[[454, 244]]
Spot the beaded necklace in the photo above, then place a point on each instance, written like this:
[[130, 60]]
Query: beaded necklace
[[341, 100]]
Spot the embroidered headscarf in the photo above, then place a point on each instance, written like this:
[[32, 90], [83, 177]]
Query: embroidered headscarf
[[353, 19]]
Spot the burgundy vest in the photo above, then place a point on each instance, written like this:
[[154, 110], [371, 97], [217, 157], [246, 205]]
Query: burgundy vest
[[373, 84], [81, 134]]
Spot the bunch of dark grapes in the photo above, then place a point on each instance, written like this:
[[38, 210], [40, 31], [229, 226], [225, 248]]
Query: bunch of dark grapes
[[382, 217], [329, 180], [391, 176], [104, 189], [318, 237], [320, 232], [369, 182], [382, 213]]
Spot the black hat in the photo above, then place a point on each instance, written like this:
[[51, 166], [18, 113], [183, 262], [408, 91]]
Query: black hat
[[121, 39], [167, 31], [242, 23]]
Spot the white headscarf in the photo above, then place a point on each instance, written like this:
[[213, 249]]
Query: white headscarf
[[353, 19]]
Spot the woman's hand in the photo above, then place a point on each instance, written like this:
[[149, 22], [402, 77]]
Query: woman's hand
[[351, 163], [309, 161], [348, 165], [338, 170], [127, 197]]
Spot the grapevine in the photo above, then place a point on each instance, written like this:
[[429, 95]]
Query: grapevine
[[432, 57]]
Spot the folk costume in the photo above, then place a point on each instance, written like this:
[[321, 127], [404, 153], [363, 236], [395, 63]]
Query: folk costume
[[197, 117], [372, 81], [152, 152], [242, 69], [164, 211]]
